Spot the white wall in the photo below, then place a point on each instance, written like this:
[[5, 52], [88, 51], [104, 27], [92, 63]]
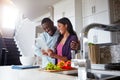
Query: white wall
[[71, 9], [78, 16], [39, 19], [64, 8]]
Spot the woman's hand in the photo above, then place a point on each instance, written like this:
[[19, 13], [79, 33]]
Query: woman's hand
[[51, 53]]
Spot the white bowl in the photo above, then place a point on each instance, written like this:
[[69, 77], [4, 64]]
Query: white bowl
[[27, 60]]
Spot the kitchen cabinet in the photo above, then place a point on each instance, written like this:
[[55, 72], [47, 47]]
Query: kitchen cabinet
[[86, 8], [95, 11], [91, 7], [100, 11], [101, 5]]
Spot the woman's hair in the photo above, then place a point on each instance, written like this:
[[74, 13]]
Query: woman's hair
[[66, 21]]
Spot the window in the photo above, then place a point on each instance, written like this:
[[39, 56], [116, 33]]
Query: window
[[9, 16]]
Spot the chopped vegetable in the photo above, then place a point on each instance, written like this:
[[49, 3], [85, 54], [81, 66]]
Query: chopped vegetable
[[51, 66]]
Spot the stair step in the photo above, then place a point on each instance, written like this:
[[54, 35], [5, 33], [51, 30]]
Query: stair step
[[12, 57], [12, 48], [8, 39], [10, 43], [13, 62], [13, 53]]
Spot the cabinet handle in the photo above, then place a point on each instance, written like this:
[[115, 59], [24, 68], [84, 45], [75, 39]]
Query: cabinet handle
[[94, 9]]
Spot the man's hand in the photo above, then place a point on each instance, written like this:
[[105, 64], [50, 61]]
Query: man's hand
[[44, 52], [75, 45], [51, 53]]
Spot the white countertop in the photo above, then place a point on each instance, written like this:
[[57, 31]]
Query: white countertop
[[6, 73], [100, 69], [106, 72]]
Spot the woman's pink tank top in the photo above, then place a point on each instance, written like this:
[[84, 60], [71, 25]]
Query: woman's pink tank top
[[59, 50]]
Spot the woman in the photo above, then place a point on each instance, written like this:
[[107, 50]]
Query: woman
[[67, 35]]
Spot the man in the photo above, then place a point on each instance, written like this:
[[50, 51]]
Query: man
[[50, 36]]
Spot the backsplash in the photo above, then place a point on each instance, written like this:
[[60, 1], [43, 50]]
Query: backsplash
[[115, 53], [105, 55], [110, 54]]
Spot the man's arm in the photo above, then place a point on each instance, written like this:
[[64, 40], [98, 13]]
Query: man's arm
[[75, 45], [37, 51]]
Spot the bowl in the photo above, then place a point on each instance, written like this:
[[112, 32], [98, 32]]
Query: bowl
[[27, 60]]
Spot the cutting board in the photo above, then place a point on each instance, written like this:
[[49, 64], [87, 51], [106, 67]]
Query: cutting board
[[58, 70]]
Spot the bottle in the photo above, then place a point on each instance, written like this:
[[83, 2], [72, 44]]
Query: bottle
[[73, 54]]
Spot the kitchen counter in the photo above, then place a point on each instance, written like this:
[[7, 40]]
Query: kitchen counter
[[105, 72], [6, 73], [100, 69]]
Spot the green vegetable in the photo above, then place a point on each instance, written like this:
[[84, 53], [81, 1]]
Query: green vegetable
[[51, 66], [89, 44]]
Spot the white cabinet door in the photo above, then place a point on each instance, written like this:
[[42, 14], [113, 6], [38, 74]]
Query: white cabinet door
[[91, 7], [86, 8], [95, 11], [88, 20], [102, 18], [101, 5]]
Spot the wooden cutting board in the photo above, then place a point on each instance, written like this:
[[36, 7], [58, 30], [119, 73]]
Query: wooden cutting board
[[58, 70]]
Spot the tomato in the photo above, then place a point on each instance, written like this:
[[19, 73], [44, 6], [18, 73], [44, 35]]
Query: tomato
[[65, 65], [68, 64], [68, 67]]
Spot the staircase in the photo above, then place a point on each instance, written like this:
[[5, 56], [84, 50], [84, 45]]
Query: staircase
[[12, 56]]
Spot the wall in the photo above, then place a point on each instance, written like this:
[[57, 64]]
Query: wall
[[78, 16], [39, 19], [0, 16], [64, 8], [7, 33], [38, 30], [71, 9]]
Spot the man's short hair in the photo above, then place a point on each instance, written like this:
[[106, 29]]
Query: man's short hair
[[46, 20]]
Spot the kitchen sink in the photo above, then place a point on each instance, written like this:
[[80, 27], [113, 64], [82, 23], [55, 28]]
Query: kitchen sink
[[69, 72], [103, 77], [73, 74]]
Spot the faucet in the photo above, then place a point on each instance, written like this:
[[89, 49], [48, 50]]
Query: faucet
[[84, 37], [84, 43], [84, 64]]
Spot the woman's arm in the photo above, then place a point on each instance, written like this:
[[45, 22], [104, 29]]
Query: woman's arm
[[53, 55]]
